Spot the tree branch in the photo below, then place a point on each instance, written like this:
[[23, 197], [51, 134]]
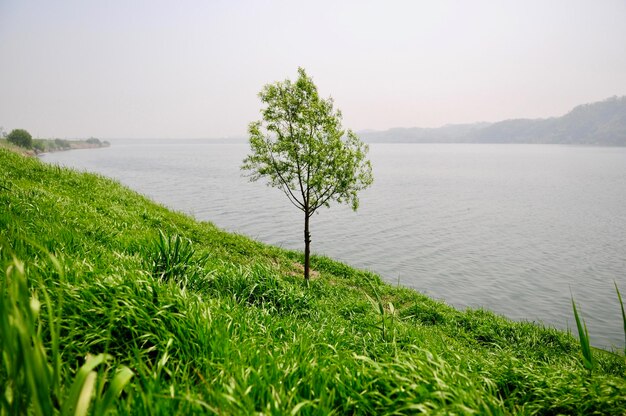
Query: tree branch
[[284, 182], [326, 199]]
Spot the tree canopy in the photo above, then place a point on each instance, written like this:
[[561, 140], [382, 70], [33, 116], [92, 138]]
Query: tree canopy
[[300, 147], [20, 137]]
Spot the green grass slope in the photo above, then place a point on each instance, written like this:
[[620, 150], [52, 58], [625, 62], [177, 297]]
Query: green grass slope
[[112, 303]]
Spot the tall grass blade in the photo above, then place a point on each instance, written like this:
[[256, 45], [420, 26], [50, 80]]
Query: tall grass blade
[[120, 380], [28, 373], [583, 336], [170, 257], [86, 392], [82, 388], [623, 314]]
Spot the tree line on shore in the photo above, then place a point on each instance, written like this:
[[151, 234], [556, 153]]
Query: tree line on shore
[[22, 138]]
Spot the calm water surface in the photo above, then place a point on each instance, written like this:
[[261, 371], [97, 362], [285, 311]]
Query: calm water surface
[[511, 228]]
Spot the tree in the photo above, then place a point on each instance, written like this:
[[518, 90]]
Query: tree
[[300, 148], [20, 137]]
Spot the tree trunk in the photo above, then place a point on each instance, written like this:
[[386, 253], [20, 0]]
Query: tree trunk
[[307, 246]]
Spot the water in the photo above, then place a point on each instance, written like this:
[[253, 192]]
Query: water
[[511, 228]]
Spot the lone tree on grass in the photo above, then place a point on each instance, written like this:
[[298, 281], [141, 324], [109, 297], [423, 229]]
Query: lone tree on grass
[[20, 137], [300, 148]]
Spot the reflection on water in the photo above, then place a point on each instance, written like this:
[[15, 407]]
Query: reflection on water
[[512, 228]]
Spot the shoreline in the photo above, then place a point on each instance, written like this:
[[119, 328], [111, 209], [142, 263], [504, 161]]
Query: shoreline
[[43, 146]]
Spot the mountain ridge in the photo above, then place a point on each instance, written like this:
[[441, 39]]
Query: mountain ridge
[[598, 123]]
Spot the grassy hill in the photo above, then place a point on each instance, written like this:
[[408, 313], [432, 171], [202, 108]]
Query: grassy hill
[[112, 302]]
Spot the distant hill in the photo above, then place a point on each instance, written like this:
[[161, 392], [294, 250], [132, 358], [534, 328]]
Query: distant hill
[[600, 123]]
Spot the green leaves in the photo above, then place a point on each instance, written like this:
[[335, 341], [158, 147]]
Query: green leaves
[[20, 137], [301, 148]]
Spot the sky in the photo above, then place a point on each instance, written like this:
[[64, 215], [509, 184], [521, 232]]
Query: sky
[[193, 69]]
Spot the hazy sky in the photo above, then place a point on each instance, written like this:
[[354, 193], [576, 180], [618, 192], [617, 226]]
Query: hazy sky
[[126, 69]]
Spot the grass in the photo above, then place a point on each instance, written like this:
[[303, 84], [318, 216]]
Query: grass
[[621, 304], [172, 258], [583, 334], [32, 380], [583, 337], [127, 307], [5, 144]]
